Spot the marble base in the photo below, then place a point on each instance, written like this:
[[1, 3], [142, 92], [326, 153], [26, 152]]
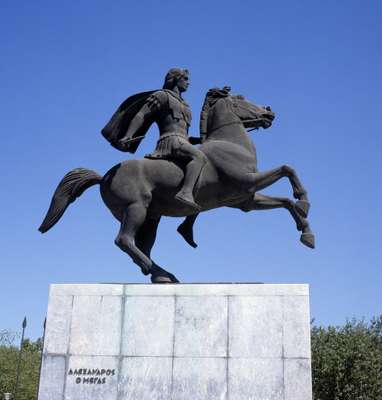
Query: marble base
[[179, 342]]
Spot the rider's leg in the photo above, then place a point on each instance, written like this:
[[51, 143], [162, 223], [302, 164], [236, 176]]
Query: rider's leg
[[195, 161]]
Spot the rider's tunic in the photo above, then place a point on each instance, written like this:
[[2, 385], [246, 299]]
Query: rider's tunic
[[162, 103]]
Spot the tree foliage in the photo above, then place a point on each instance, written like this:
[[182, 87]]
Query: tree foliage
[[29, 368], [347, 361]]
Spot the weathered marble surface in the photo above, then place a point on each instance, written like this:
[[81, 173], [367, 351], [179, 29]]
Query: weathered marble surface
[[162, 342]]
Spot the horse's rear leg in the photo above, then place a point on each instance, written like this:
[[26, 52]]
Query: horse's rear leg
[[133, 218], [144, 240], [263, 202], [267, 178], [146, 235]]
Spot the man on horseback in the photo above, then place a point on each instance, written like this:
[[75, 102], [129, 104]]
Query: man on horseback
[[172, 114], [140, 192]]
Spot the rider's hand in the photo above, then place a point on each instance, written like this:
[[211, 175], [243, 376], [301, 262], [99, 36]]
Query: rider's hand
[[122, 144]]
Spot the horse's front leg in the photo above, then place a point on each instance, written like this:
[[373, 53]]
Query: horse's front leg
[[263, 202], [267, 178]]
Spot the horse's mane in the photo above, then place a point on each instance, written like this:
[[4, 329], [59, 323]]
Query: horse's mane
[[212, 96]]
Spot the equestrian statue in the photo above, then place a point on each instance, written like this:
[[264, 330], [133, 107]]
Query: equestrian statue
[[179, 179]]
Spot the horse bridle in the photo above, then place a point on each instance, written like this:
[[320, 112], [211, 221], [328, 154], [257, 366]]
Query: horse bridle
[[239, 121]]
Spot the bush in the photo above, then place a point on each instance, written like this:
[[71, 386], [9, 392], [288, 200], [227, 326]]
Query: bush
[[347, 361]]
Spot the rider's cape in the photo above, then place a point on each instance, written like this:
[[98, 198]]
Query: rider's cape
[[116, 128]]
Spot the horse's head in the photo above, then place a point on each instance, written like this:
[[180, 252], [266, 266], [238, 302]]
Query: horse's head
[[222, 109], [252, 115]]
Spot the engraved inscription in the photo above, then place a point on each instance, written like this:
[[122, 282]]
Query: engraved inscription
[[91, 376]]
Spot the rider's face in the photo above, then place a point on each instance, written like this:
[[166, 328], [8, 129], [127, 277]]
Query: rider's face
[[183, 83]]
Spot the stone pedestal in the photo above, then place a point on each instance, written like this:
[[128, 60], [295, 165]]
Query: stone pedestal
[[178, 342]]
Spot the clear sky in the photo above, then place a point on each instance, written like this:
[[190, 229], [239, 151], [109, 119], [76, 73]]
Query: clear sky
[[66, 66]]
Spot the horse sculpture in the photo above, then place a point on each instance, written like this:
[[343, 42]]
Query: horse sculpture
[[139, 192]]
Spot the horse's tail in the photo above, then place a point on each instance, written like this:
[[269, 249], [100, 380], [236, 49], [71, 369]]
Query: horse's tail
[[72, 185]]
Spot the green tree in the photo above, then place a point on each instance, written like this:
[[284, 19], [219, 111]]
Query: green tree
[[347, 361], [30, 365]]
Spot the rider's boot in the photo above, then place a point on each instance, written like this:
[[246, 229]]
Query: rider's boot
[[187, 198], [186, 230]]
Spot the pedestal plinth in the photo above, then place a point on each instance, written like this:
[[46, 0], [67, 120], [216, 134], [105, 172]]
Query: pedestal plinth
[[178, 342]]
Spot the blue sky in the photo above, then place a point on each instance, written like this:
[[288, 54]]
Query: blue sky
[[66, 66]]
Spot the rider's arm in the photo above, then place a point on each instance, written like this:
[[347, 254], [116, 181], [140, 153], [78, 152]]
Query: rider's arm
[[137, 122], [148, 110]]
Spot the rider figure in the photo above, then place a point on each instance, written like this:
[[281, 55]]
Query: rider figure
[[168, 109]]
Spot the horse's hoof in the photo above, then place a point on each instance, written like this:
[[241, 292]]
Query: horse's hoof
[[308, 240], [160, 275], [302, 207], [160, 279], [164, 279]]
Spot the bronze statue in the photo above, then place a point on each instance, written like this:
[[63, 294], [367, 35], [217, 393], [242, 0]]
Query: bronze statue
[[178, 180], [173, 116]]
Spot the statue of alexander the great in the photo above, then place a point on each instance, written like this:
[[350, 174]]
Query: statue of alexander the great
[[177, 179], [172, 114]]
